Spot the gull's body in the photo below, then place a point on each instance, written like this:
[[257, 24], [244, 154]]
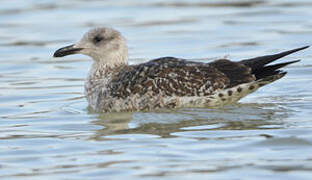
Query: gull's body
[[168, 82]]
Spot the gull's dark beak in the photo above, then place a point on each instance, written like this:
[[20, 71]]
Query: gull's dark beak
[[67, 50]]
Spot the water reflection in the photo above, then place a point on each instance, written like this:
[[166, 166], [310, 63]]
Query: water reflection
[[163, 124]]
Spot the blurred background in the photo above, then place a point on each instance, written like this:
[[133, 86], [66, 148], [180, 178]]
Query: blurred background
[[47, 131]]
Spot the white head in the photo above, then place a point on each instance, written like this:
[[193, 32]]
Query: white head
[[104, 45]]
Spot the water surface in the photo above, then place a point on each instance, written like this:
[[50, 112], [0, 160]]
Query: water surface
[[47, 131]]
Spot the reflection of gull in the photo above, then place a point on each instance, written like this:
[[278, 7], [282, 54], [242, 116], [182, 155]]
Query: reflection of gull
[[166, 82], [171, 123]]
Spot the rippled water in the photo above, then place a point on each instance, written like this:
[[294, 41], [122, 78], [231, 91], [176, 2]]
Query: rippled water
[[47, 132]]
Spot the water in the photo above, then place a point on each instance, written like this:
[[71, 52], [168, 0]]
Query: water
[[47, 132]]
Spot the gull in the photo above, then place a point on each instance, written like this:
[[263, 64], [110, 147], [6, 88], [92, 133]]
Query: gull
[[167, 82]]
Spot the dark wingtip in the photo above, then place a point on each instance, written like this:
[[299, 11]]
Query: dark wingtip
[[291, 62], [285, 53], [304, 47], [295, 50], [271, 70], [295, 61], [259, 62]]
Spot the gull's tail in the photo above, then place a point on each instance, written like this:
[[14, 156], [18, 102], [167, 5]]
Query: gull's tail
[[259, 68]]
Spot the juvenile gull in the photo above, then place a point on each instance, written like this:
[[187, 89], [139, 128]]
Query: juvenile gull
[[167, 82]]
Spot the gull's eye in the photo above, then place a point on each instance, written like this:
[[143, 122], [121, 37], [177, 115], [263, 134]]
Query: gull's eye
[[97, 39]]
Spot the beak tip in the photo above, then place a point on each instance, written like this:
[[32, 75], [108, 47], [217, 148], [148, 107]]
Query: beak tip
[[56, 54]]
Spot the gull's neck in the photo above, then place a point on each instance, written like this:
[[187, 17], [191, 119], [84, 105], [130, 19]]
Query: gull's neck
[[106, 66], [109, 61], [112, 59]]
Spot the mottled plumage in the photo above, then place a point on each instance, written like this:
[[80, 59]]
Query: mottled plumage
[[167, 82]]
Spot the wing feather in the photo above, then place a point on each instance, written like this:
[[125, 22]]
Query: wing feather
[[177, 77]]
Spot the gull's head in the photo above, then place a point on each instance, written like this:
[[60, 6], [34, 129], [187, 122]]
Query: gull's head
[[104, 45]]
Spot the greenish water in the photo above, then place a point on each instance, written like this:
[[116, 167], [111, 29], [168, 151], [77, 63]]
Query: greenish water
[[47, 132]]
